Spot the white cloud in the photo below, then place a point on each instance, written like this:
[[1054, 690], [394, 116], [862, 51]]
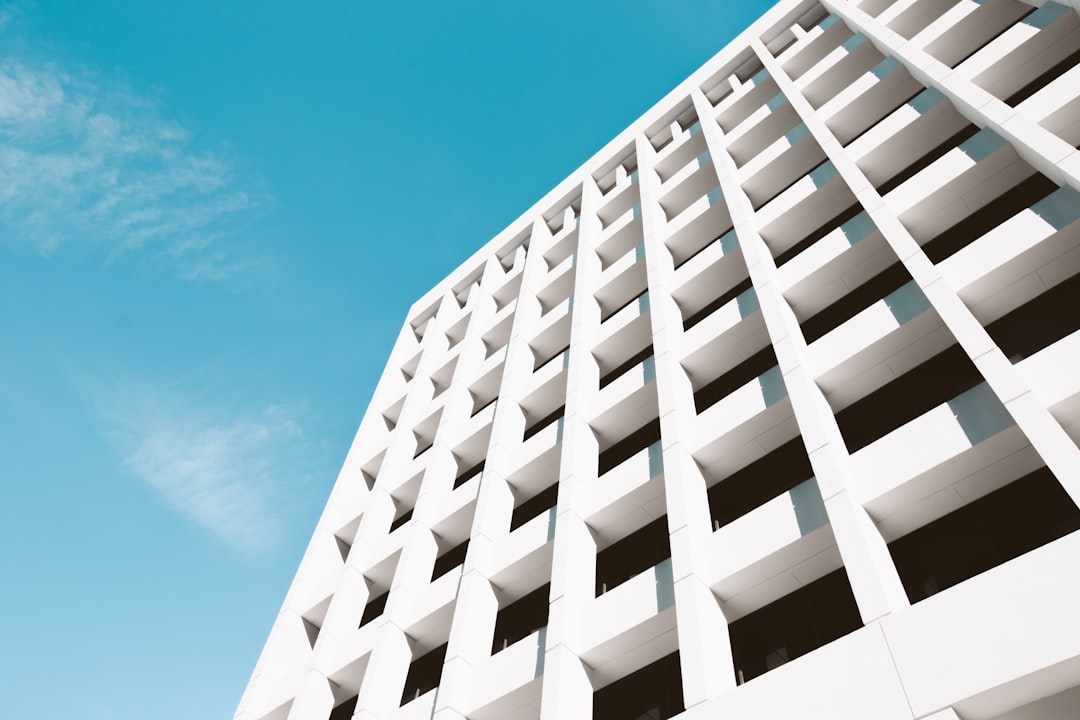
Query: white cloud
[[85, 165], [229, 473]]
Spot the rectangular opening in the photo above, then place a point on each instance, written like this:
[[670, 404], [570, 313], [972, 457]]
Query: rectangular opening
[[1040, 322], [796, 624], [652, 693], [635, 553], [629, 446], [630, 364], [452, 558], [544, 422], [939, 379], [534, 506], [374, 608], [926, 160], [759, 482], [753, 367], [817, 234], [716, 304], [521, 618], [854, 302], [1022, 516], [424, 674], [988, 217]]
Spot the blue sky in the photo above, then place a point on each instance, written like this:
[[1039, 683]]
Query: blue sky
[[213, 218]]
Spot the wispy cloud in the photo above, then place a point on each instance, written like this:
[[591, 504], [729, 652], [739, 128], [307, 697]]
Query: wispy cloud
[[234, 474], [87, 163]]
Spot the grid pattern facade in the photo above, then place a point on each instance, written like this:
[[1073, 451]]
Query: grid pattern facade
[[769, 410]]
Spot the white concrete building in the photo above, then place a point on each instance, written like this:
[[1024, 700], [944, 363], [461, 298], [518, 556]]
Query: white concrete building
[[770, 410]]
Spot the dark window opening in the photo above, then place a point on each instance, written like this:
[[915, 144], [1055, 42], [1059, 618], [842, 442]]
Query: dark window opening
[[374, 608], [759, 482], [1022, 516], [544, 422], [938, 380], [626, 367], [1043, 80], [449, 560], [753, 367], [424, 674], [469, 474], [635, 553], [988, 217], [716, 304], [629, 446], [521, 618], [401, 519], [1040, 322], [817, 234], [926, 160], [534, 506], [345, 710], [796, 624], [652, 693], [862, 297]]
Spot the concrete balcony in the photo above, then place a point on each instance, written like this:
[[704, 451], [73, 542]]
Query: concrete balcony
[[619, 243], [891, 477], [781, 166], [678, 153], [910, 17], [772, 550], [867, 99], [428, 614], [748, 97], [943, 192], [754, 410], [1019, 258], [525, 552], [1051, 375], [621, 201], [861, 57], [629, 495], [813, 77], [630, 257], [767, 124], [508, 683], [622, 288], [967, 27], [837, 263], [421, 708], [539, 451], [632, 625], [724, 328], [687, 235], [682, 195], [813, 47], [899, 331]]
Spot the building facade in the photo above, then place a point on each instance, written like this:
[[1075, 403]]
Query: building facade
[[769, 410]]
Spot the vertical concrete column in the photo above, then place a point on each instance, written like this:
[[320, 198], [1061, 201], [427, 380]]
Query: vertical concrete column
[[477, 605], [1047, 436], [871, 572], [704, 645], [567, 691], [384, 679]]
